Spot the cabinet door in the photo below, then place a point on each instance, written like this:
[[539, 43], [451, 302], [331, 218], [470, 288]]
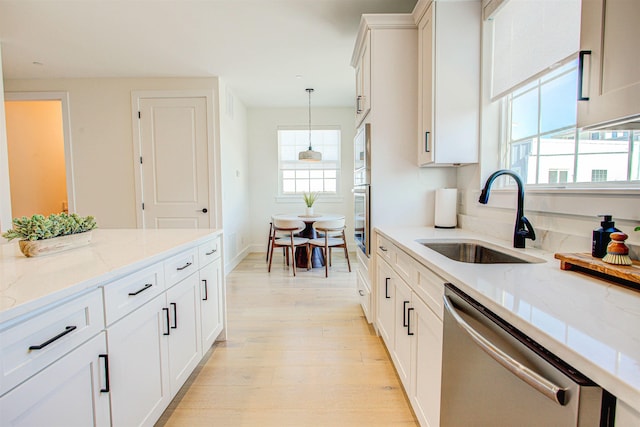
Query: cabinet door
[[426, 364], [610, 31], [425, 88], [185, 343], [211, 302], [363, 81], [403, 329], [67, 393], [385, 318], [137, 357]]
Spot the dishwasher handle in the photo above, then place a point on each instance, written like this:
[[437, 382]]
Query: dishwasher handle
[[535, 380]]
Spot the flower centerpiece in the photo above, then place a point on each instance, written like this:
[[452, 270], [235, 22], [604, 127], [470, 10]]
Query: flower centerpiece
[[309, 200], [42, 235]]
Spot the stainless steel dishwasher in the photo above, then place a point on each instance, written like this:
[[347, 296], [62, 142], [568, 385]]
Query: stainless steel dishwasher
[[494, 375]]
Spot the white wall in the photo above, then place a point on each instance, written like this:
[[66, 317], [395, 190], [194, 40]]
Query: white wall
[[5, 196], [102, 140], [263, 166], [235, 177]]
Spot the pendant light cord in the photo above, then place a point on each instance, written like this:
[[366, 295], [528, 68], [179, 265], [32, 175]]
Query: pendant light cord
[[309, 91]]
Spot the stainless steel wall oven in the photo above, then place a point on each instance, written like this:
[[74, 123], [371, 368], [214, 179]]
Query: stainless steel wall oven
[[362, 188], [362, 232]]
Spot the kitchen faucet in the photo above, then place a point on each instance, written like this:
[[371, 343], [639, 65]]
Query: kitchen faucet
[[523, 229]]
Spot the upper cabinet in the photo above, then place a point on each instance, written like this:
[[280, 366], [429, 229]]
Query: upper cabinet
[[448, 81], [363, 79], [609, 79]]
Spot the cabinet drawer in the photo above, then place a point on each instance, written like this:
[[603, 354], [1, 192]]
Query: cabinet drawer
[[209, 251], [430, 287], [386, 249], [38, 341], [406, 267], [123, 296], [364, 294], [180, 266]]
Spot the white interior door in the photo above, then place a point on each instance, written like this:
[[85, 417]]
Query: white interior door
[[174, 161]]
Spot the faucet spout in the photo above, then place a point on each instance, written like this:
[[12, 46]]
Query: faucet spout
[[523, 228]]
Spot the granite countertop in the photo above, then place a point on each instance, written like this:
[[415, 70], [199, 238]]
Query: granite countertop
[[592, 324], [28, 284]]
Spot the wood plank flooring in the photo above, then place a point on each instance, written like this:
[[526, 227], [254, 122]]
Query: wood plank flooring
[[299, 353]]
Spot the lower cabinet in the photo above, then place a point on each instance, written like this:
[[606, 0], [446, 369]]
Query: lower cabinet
[[73, 391], [211, 303], [412, 331]]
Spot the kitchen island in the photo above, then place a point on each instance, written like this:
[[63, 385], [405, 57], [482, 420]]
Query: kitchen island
[[589, 323], [127, 317]]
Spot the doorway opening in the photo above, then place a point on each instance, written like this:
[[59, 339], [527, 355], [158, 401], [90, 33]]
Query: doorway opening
[[39, 154]]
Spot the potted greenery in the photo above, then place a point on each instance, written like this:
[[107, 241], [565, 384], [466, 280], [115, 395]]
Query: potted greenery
[[309, 200], [42, 235]]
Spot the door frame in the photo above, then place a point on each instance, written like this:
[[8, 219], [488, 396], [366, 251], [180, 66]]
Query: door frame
[[213, 149], [63, 97]]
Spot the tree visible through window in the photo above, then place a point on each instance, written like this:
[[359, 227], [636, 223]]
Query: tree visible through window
[[297, 176]]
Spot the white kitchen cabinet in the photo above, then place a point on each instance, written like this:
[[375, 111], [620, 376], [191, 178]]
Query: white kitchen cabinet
[[626, 415], [211, 292], [73, 391], [363, 80], [609, 34], [364, 293], [448, 82], [409, 319], [138, 352], [185, 339]]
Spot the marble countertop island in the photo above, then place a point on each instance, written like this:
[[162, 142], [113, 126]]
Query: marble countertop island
[[29, 284], [592, 324]]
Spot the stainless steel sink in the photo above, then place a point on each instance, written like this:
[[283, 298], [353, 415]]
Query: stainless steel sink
[[476, 253]]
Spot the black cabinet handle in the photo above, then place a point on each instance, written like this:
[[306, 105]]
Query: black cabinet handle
[[146, 286], [67, 330], [107, 387], [213, 251], [206, 290], [358, 107], [361, 292], [166, 310], [409, 321], [581, 56], [183, 267], [175, 315], [386, 288], [382, 248], [404, 314], [426, 142]]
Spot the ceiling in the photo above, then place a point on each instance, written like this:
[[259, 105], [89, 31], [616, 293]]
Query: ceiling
[[267, 51]]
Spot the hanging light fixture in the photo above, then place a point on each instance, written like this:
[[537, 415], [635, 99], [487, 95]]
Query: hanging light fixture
[[310, 155]]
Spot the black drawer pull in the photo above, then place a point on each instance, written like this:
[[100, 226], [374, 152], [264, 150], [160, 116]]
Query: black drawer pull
[[175, 315], [361, 292], [386, 288], [166, 310], [206, 290], [183, 267], [213, 251], [67, 330], [106, 388], [409, 321], [382, 248], [404, 314], [147, 286]]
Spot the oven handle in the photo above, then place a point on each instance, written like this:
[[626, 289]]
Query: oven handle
[[535, 380]]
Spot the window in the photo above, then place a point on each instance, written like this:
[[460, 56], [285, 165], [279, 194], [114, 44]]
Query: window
[[543, 145], [295, 176]]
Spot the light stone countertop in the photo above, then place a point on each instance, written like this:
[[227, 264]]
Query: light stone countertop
[[29, 284], [591, 324]]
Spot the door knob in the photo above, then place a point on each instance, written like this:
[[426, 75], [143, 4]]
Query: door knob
[[204, 210]]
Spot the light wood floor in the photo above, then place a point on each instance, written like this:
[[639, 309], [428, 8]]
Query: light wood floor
[[299, 353]]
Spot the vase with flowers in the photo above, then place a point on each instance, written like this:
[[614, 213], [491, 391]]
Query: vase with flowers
[[309, 200]]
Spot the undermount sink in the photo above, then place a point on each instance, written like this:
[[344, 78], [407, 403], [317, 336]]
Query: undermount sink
[[476, 253]]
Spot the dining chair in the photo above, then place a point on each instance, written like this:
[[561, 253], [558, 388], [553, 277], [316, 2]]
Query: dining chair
[[283, 236], [334, 237]]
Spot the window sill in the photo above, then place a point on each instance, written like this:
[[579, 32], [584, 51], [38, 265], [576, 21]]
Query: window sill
[[298, 199]]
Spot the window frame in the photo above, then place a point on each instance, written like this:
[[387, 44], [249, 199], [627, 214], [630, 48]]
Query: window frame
[[283, 197]]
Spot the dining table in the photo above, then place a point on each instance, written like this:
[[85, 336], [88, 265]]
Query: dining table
[[317, 257]]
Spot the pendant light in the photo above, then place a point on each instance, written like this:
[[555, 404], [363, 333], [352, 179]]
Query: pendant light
[[310, 155]]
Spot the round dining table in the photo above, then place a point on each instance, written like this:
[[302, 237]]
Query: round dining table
[[317, 259]]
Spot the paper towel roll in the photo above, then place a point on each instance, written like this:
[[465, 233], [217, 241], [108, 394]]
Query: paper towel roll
[[446, 207]]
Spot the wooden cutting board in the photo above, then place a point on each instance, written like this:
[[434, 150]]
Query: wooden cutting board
[[586, 262]]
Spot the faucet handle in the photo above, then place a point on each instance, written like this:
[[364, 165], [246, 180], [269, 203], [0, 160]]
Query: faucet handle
[[528, 232]]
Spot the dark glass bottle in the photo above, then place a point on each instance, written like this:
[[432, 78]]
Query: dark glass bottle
[[601, 236]]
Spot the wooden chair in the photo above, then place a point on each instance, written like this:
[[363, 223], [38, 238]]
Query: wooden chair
[[334, 237], [283, 236]]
